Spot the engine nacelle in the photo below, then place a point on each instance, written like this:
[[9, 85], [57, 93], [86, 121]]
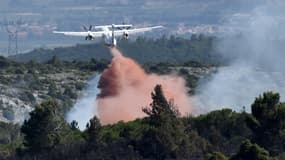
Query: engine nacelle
[[126, 35], [89, 37]]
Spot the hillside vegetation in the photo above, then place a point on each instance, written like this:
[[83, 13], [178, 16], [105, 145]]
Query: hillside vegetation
[[163, 134], [58, 80], [23, 85], [174, 50]]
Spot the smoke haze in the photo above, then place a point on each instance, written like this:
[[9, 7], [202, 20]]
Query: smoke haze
[[256, 60], [126, 88], [85, 107]]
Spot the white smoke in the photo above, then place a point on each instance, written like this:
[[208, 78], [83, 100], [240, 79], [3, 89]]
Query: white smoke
[[86, 106], [256, 60]]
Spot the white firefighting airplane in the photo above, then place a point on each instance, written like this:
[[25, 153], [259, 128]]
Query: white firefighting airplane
[[108, 33]]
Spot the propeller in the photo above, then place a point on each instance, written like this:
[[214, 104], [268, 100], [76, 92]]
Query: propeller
[[126, 27], [122, 28], [89, 37], [87, 29]]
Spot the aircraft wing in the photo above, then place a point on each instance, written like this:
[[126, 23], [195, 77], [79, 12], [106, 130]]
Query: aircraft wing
[[80, 34], [114, 25], [136, 30]]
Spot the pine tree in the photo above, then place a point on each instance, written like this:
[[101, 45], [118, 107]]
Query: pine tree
[[45, 128], [216, 156], [268, 122], [92, 130], [160, 108], [166, 137], [249, 151]]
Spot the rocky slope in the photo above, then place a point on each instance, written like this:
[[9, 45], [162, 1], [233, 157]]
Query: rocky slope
[[23, 86]]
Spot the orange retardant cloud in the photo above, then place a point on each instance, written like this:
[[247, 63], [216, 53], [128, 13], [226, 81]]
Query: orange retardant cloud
[[126, 88]]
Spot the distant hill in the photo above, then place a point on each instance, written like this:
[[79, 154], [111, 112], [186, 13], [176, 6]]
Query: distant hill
[[167, 50]]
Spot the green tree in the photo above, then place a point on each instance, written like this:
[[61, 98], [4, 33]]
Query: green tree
[[52, 89], [92, 130], [249, 151], [74, 125], [4, 62], [225, 129], [268, 122], [160, 109], [68, 91], [281, 156], [216, 156], [54, 61], [166, 137], [45, 128]]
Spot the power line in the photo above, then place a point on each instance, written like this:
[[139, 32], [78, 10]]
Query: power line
[[12, 28]]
